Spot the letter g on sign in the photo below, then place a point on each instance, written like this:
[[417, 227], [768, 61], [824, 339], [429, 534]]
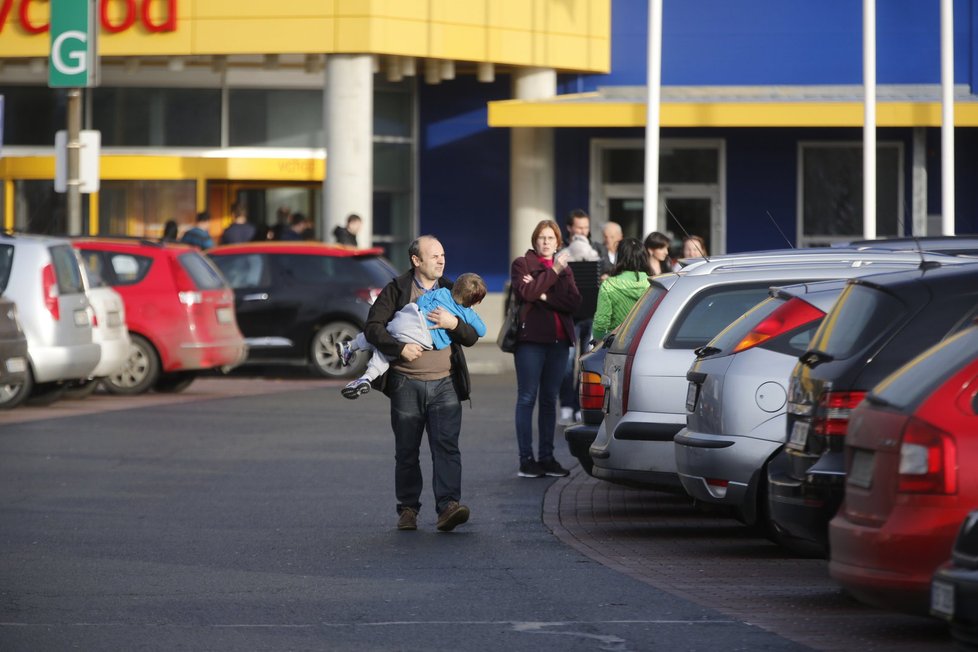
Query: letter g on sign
[[60, 50]]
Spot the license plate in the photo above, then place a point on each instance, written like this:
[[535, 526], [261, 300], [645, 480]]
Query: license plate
[[692, 393], [224, 315], [861, 473], [942, 599], [16, 365], [799, 435]]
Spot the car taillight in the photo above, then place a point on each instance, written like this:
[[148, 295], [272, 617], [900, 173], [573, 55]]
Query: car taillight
[[630, 352], [190, 297], [591, 391], [834, 408], [367, 295], [49, 287], [928, 460], [787, 317]]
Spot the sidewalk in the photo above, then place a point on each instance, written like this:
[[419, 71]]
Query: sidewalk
[[486, 358]]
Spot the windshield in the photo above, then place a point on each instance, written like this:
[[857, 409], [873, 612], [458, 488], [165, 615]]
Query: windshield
[[733, 334], [638, 317]]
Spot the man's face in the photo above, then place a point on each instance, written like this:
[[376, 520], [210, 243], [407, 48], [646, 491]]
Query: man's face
[[354, 226], [430, 264], [612, 237], [580, 226]]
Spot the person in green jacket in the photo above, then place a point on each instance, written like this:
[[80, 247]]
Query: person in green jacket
[[618, 293]]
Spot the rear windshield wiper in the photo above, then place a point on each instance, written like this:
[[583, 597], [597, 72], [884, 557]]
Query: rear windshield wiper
[[706, 351], [815, 358]]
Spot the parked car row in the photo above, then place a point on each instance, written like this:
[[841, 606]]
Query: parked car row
[[826, 397], [134, 315]]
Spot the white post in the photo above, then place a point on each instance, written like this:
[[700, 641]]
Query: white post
[[650, 218], [869, 119], [947, 117], [349, 111], [531, 163]]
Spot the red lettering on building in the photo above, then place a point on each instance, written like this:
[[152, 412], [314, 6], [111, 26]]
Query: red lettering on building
[[167, 23], [128, 21], [25, 20]]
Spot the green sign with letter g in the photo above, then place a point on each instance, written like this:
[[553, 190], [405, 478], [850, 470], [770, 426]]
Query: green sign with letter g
[[74, 36]]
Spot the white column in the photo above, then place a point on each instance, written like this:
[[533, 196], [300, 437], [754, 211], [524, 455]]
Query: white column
[[348, 120], [919, 191], [869, 119], [947, 117], [531, 163], [650, 210]]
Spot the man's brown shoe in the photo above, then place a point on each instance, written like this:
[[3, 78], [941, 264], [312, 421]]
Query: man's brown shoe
[[408, 520], [452, 516]]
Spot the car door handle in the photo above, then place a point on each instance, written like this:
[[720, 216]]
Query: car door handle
[[261, 296]]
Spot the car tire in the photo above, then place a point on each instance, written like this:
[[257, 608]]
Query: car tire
[[322, 351], [175, 382], [13, 395], [44, 394], [80, 389], [139, 374]]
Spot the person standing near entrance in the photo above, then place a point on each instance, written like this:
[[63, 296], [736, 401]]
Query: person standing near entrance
[[239, 230], [347, 235], [425, 388], [199, 236], [612, 236]]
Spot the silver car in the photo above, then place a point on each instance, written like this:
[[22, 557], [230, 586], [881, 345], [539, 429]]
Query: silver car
[[654, 348], [735, 402], [13, 355], [45, 281]]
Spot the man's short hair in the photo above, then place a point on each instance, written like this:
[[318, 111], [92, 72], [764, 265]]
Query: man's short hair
[[577, 214], [353, 217], [297, 219], [469, 289], [203, 216], [414, 249]]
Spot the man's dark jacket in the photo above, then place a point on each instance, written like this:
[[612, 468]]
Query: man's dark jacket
[[392, 298]]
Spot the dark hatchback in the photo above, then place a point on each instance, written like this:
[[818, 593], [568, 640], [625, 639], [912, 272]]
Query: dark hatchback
[[591, 391], [954, 589], [878, 324], [295, 300]]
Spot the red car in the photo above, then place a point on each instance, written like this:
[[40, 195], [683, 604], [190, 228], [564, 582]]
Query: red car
[[911, 454], [179, 310]]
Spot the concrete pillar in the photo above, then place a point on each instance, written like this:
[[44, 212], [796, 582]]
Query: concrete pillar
[[348, 119], [919, 180], [531, 163]]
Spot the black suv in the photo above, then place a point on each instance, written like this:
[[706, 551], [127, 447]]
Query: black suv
[[879, 323], [295, 300]]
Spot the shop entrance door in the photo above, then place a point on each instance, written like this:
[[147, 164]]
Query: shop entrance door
[[262, 201]]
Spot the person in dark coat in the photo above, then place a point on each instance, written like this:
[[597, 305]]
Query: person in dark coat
[[426, 390], [239, 229], [544, 285], [347, 235]]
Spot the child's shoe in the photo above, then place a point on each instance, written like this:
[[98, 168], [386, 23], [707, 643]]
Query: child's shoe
[[355, 388], [345, 353]]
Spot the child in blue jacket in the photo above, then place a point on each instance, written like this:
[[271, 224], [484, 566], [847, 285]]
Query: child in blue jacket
[[409, 325]]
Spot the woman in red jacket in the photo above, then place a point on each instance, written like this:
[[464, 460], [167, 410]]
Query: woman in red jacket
[[544, 286]]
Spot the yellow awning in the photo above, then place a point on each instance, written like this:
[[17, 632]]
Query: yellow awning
[[738, 106]]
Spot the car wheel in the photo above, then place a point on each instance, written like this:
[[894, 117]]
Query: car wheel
[[13, 395], [80, 389], [175, 382], [141, 371], [322, 351]]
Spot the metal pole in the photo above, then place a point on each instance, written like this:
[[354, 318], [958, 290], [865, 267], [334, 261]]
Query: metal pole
[[73, 182], [947, 117], [869, 119], [651, 204]]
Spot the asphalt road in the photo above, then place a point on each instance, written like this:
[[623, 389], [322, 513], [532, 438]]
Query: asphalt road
[[258, 514]]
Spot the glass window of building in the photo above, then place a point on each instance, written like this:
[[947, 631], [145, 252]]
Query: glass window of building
[[832, 191], [275, 118], [32, 114], [157, 117], [141, 208], [39, 209]]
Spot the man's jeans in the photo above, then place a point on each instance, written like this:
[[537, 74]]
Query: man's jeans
[[416, 404], [540, 369]]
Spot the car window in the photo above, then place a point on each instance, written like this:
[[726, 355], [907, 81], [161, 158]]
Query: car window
[[245, 270], [711, 310], [93, 275], [860, 317], [127, 268], [67, 271], [94, 265], [318, 270], [638, 317], [909, 385], [6, 262], [204, 275]]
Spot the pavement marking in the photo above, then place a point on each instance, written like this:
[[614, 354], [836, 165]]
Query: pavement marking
[[518, 625]]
